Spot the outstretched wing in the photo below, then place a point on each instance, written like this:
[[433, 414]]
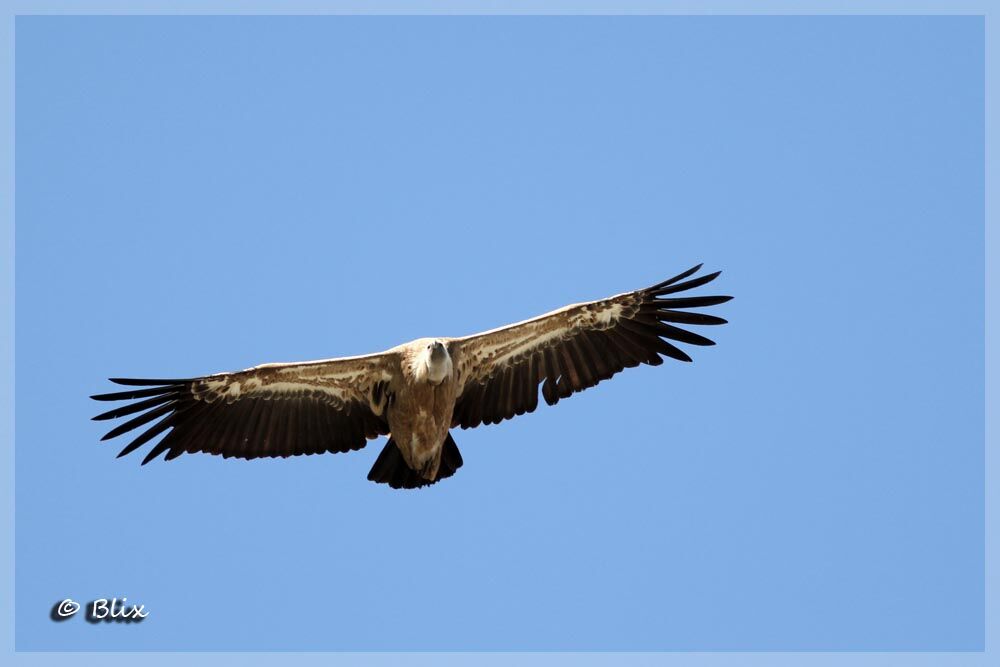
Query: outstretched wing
[[334, 405], [575, 347]]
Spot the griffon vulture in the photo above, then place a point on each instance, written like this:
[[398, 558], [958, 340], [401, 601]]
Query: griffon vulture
[[416, 392]]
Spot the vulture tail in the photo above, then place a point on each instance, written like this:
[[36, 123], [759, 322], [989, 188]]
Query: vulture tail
[[390, 467]]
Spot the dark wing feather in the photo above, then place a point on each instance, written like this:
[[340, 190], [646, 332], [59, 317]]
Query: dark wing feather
[[273, 410], [573, 348]]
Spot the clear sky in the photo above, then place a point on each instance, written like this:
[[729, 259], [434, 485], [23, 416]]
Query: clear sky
[[204, 194]]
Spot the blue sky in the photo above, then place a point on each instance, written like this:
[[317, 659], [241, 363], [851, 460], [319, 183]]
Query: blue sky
[[203, 194]]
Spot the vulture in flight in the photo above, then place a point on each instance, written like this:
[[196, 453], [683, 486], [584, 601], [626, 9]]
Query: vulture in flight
[[416, 392]]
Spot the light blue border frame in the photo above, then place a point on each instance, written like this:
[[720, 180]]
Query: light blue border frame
[[10, 10]]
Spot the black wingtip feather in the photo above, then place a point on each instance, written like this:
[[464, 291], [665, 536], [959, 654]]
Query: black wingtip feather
[[132, 408], [153, 453], [134, 393], [142, 382], [678, 277], [686, 285], [142, 419], [691, 301]]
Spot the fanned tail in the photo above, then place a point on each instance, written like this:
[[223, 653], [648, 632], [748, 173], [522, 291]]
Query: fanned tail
[[390, 467]]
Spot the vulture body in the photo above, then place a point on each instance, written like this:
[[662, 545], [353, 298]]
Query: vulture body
[[415, 392]]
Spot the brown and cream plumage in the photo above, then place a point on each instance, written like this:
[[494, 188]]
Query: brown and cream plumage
[[417, 391]]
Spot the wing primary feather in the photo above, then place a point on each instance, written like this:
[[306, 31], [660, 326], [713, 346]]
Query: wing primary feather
[[608, 348], [692, 301], [135, 382], [682, 317], [648, 326], [162, 445], [642, 337], [134, 407], [202, 423], [685, 336], [194, 421], [176, 434], [632, 354], [134, 394], [147, 435], [174, 449], [690, 284], [144, 418], [679, 276], [643, 345], [154, 452]]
